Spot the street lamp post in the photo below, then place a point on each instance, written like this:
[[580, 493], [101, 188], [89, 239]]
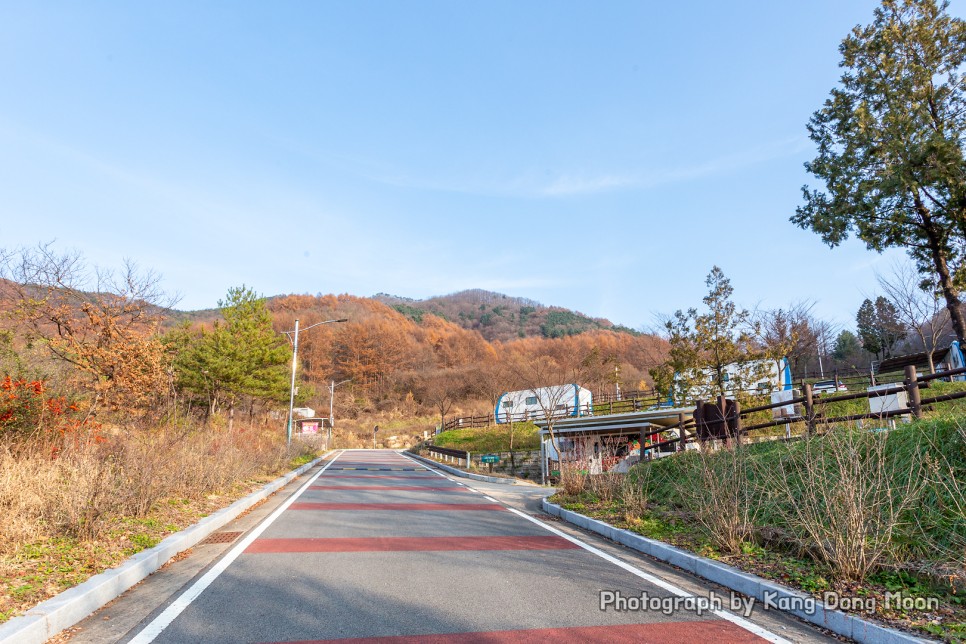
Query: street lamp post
[[295, 351], [332, 386]]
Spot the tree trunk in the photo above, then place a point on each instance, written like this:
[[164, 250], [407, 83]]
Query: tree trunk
[[952, 302], [950, 293]]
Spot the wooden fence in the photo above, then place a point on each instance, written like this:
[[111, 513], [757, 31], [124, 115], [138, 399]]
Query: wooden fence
[[725, 418], [635, 401]]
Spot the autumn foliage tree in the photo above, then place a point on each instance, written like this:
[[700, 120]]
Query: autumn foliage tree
[[103, 323], [390, 357]]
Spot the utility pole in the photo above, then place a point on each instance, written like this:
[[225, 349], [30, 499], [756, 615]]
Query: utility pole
[[291, 395], [332, 387], [295, 353]]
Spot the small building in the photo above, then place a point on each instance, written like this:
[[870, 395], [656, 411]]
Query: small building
[[610, 443], [303, 412], [945, 359]]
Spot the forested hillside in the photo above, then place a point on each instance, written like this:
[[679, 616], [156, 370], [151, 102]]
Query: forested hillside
[[398, 354], [500, 317]]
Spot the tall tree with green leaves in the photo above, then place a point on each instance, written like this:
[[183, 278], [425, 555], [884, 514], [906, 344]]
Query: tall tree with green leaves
[[704, 344], [867, 325], [879, 326], [890, 144], [241, 356], [847, 346], [891, 328]]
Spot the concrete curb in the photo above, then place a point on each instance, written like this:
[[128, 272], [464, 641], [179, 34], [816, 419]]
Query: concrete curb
[[462, 473], [48, 618], [802, 605]]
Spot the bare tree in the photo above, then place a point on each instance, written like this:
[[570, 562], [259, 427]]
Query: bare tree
[[781, 331], [919, 305], [103, 322], [825, 334], [550, 383], [441, 390]]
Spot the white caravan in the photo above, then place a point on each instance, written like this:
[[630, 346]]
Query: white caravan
[[529, 404]]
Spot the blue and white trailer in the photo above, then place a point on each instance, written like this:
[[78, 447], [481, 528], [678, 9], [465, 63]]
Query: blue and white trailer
[[557, 401], [751, 377]]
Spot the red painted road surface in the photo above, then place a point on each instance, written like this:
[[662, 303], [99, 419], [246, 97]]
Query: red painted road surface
[[378, 549]]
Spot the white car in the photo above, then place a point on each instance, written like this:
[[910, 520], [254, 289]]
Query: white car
[[828, 386]]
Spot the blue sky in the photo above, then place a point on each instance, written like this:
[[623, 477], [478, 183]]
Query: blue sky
[[597, 156]]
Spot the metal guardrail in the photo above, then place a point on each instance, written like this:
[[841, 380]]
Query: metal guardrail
[[450, 454]]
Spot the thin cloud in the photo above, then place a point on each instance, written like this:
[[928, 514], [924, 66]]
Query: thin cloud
[[578, 183]]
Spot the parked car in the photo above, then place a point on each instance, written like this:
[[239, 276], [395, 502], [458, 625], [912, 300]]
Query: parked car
[[828, 386]]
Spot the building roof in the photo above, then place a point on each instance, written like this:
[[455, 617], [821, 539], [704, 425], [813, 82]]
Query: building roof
[[617, 423], [919, 360]]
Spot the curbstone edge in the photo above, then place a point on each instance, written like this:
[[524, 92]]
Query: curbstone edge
[[62, 611], [840, 623]]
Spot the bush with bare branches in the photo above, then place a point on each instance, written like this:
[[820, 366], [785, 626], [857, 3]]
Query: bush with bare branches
[[846, 499], [722, 501]]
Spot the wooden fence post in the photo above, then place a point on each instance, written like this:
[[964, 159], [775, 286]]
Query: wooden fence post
[[737, 422], [698, 416], [912, 388], [681, 438], [809, 407], [723, 408]]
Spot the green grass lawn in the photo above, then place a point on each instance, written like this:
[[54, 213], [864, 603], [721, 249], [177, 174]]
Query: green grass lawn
[[491, 439]]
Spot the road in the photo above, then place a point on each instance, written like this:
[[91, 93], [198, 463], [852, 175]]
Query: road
[[377, 548]]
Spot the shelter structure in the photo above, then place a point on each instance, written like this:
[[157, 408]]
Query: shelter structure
[[610, 443], [945, 359]]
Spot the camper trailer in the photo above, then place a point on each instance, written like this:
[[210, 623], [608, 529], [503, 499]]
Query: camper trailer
[[530, 404], [751, 377]]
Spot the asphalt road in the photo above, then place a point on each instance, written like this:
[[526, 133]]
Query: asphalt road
[[377, 548]]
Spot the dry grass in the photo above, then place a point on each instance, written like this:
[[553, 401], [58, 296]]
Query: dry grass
[[606, 486], [573, 482], [72, 512]]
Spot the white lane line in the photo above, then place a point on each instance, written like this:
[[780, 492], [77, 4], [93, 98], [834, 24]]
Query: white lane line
[[490, 498], [169, 614], [429, 469], [657, 581]]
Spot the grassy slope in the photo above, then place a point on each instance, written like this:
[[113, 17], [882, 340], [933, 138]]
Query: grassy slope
[[932, 526], [491, 439]]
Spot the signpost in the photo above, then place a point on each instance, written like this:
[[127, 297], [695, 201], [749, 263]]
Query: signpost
[[490, 459]]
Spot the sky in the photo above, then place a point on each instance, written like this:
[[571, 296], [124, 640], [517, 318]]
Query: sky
[[596, 156]]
